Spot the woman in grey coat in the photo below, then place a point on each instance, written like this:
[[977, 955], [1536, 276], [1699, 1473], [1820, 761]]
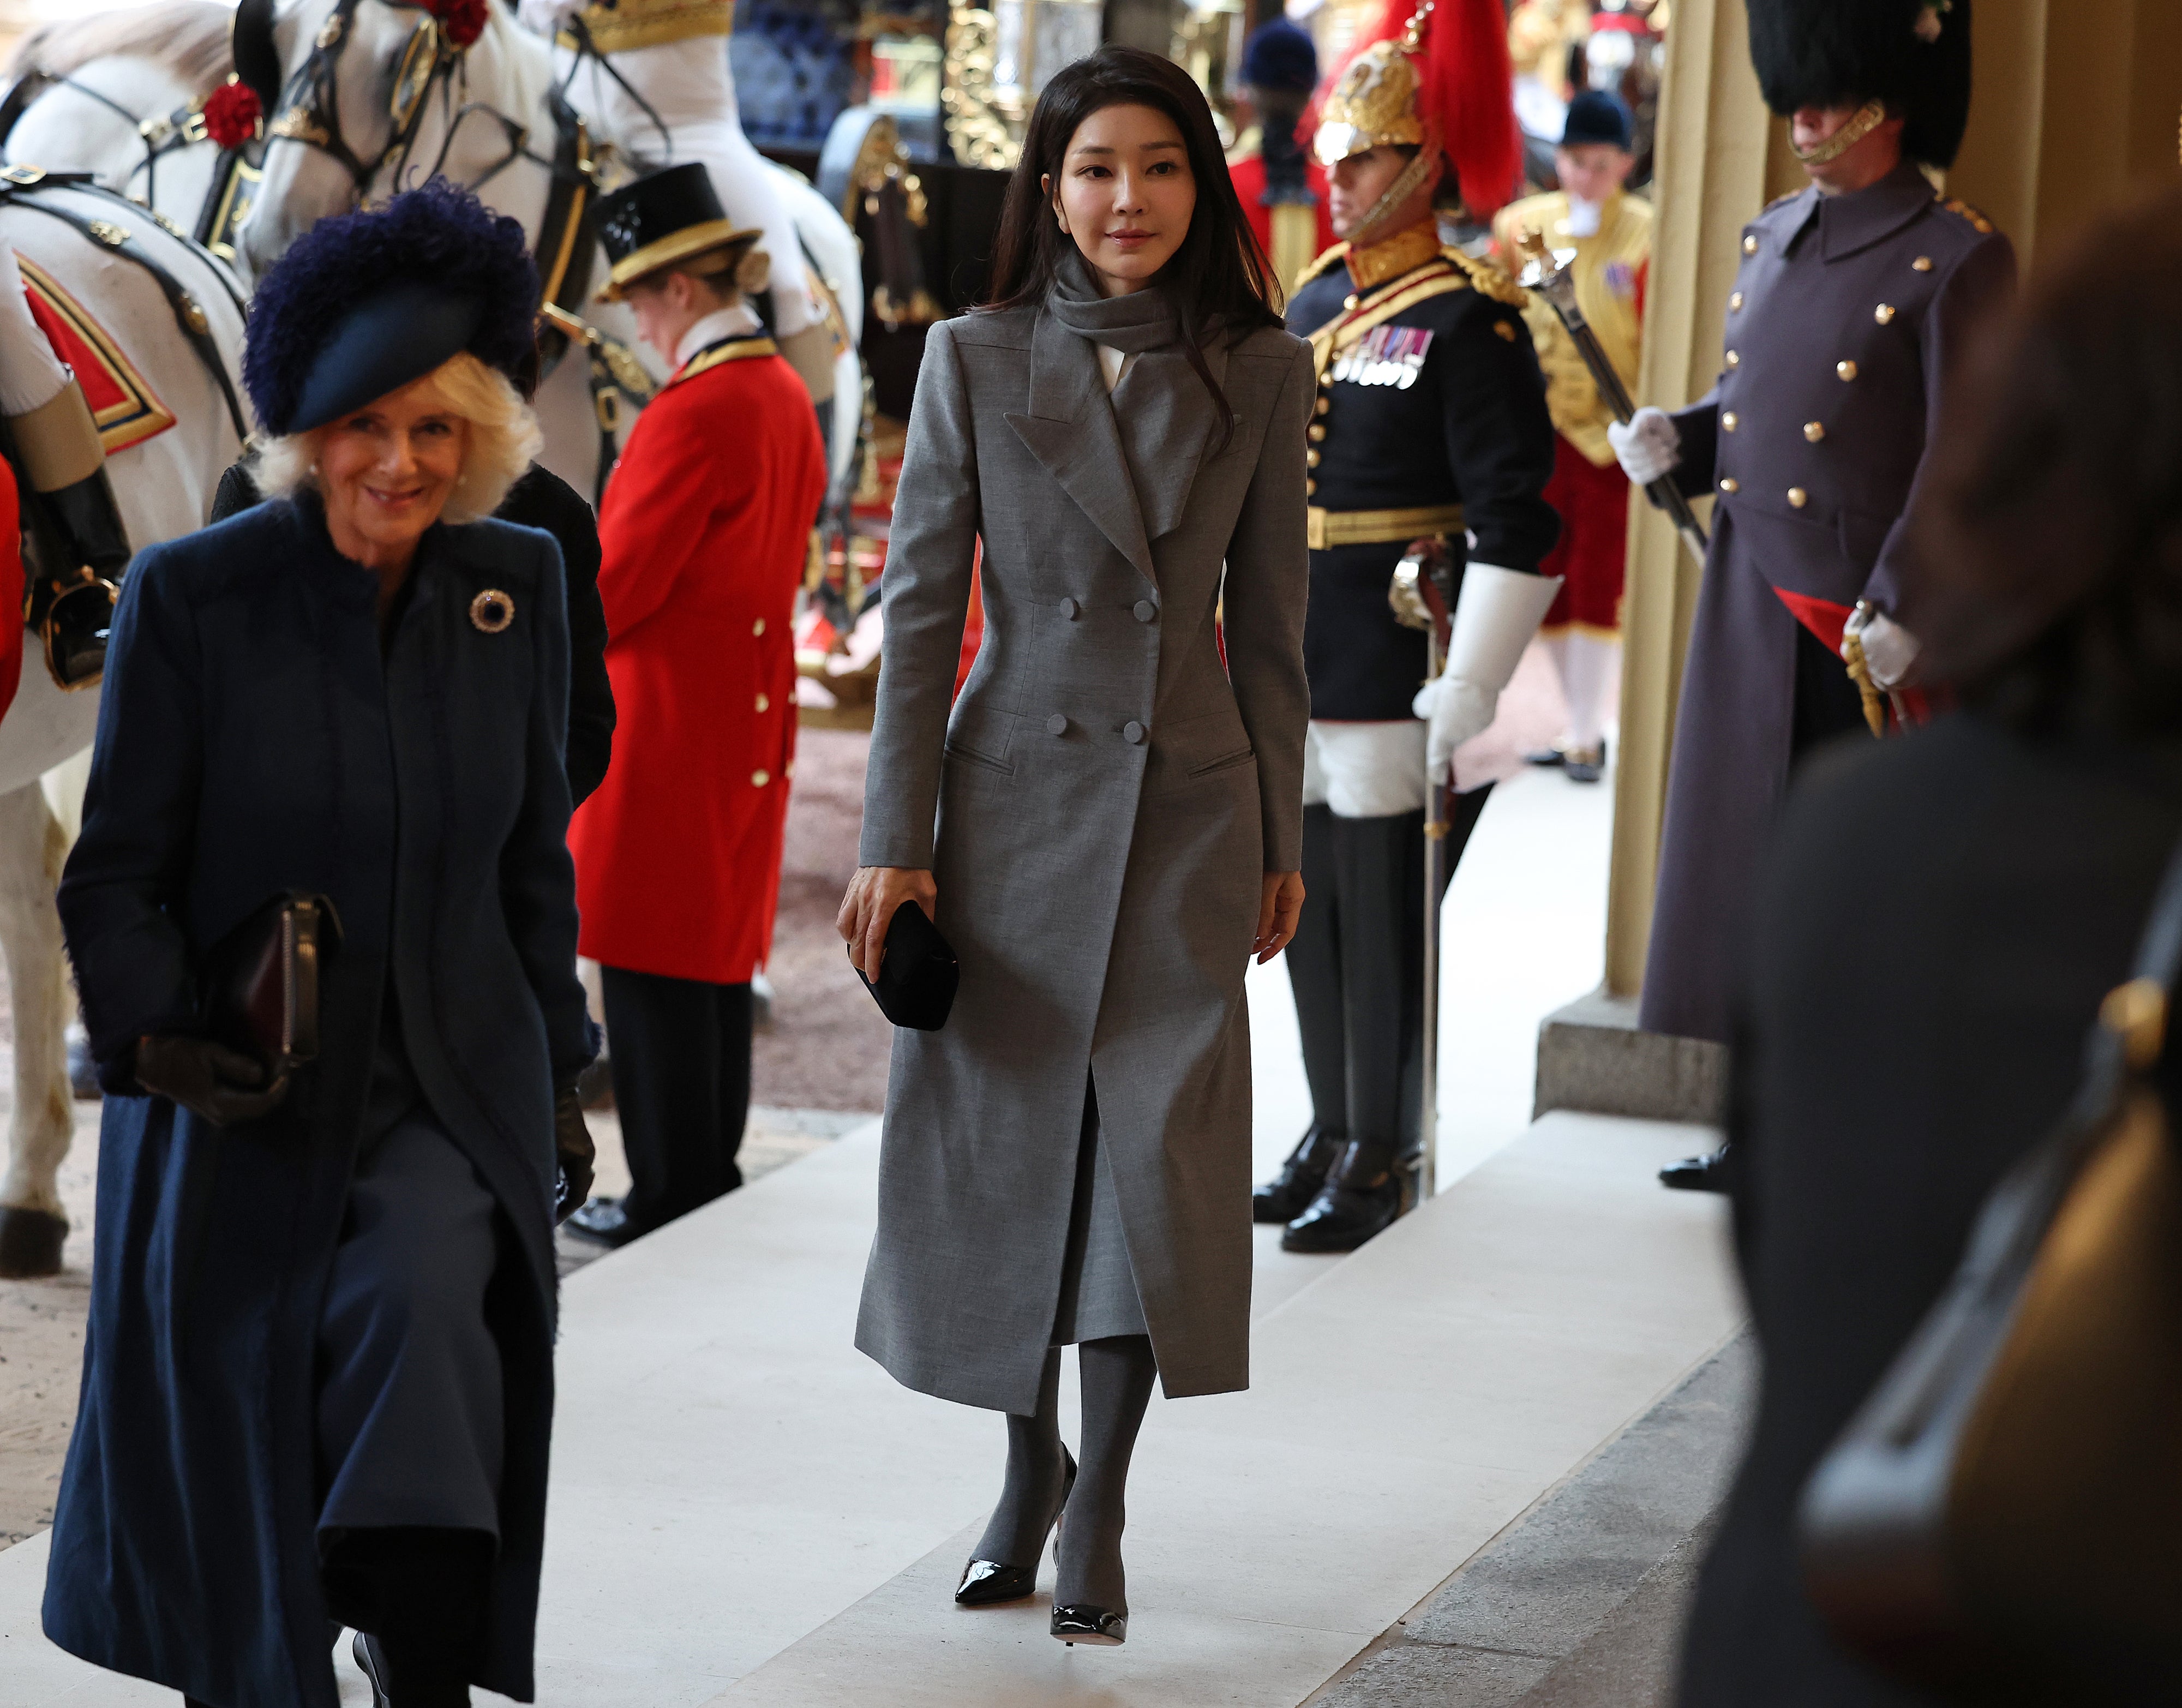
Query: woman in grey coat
[[1109, 822]]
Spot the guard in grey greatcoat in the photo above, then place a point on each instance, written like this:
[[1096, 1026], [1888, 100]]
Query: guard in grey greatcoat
[[317, 1376], [1851, 306]]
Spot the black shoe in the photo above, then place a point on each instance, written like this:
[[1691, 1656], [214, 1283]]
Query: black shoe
[[1096, 1628], [607, 1221], [1288, 1193], [1587, 764], [367, 1661], [989, 1583], [1363, 1194], [1712, 1174], [1548, 756]]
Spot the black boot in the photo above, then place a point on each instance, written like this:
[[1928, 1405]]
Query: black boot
[[89, 522], [1363, 1192], [1288, 1192], [1714, 1173]]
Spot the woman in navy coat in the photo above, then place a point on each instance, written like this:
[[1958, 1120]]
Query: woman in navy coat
[[317, 1383]]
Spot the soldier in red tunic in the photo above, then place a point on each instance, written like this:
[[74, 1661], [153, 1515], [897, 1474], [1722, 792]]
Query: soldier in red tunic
[[704, 531]]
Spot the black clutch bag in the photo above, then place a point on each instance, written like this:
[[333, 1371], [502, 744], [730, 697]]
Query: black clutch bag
[[261, 980], [918, 972]]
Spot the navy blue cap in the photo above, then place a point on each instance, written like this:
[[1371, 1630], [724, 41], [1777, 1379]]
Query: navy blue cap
[[380, 345], [1280, 55], [1598, 115]]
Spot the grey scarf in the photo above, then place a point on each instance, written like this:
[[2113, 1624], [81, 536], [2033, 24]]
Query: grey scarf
[[1166, 417]]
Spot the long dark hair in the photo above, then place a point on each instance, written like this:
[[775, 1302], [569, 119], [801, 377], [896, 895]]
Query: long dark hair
[[2048, 579], [1218, 276]]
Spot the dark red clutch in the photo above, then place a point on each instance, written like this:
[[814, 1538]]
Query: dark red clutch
[[261, 980]]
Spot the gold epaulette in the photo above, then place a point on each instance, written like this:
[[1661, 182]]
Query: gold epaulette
[[1339, 251], [1487, 280], [1977, 221]]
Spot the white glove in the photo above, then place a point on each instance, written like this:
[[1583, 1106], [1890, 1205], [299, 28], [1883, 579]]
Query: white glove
[[1890, 650], [1495, 616], [545, 17], [1649, 446]]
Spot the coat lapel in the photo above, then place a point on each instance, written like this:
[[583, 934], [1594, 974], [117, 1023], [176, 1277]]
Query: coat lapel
[[1070, 428]]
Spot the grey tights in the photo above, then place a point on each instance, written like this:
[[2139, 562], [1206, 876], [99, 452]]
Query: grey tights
[[1117, 1375]]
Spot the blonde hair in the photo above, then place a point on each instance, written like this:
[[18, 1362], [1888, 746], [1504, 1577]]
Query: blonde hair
[[503, 438]]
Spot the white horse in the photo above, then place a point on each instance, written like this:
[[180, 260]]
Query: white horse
[[487, 123], [164, 486]]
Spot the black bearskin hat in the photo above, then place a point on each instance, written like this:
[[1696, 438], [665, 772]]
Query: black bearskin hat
[[1912, 55]]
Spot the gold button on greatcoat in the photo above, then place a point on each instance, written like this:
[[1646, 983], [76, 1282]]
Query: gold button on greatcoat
[[1814, 431], [1735, 302], [1728, 483], [1846, 370], [1317, 433], [1734, 359], [1884, 314], [1311, 458], [758, 627], [1923, 263], [1348, 302], [1324, 404], [1310, 487], [760, 778], [1729, 421], [765, 702], [1750, 246], [1798, 497]]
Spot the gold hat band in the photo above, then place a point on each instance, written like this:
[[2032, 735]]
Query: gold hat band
[[690, 242]]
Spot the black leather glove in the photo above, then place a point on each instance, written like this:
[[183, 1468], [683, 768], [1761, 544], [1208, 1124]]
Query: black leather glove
[[572, 1144], [220, 1084]]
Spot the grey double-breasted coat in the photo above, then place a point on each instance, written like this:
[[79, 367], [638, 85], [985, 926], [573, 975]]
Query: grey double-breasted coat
[[1098, 810]]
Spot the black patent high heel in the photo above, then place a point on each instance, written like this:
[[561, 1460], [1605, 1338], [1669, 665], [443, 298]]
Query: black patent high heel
[[989, 1583], [1096, 1627]]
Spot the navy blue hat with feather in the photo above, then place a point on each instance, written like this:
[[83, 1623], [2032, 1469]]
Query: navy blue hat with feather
[[363, 303]]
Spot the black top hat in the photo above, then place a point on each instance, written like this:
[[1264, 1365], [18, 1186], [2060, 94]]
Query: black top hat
[[1915, 55], [666, 218], [1598, 115]]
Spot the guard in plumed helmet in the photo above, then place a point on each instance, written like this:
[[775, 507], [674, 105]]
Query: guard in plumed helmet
[[1430, 421], [1855, 299], [703, 533], [1281, 185], [1610, 232]]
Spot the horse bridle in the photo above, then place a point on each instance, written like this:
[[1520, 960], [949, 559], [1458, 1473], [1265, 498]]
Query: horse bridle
[[306, 107]]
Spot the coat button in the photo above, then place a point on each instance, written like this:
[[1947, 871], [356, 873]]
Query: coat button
[[1728, 483], [1798, 497], [1348, 302], [1923, 263], [764, 703], [760, 778], [1734, 360], [1056, 725], [1317, 433], [1750, 246], [1309, 488], [1133, 732], [758, 627], [1846, 370], [1884, 314], [1071, 609], [1729, 421], [1310, 459], [1145, 610], [1735, 302], [1814, 431], [1323, 404]]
